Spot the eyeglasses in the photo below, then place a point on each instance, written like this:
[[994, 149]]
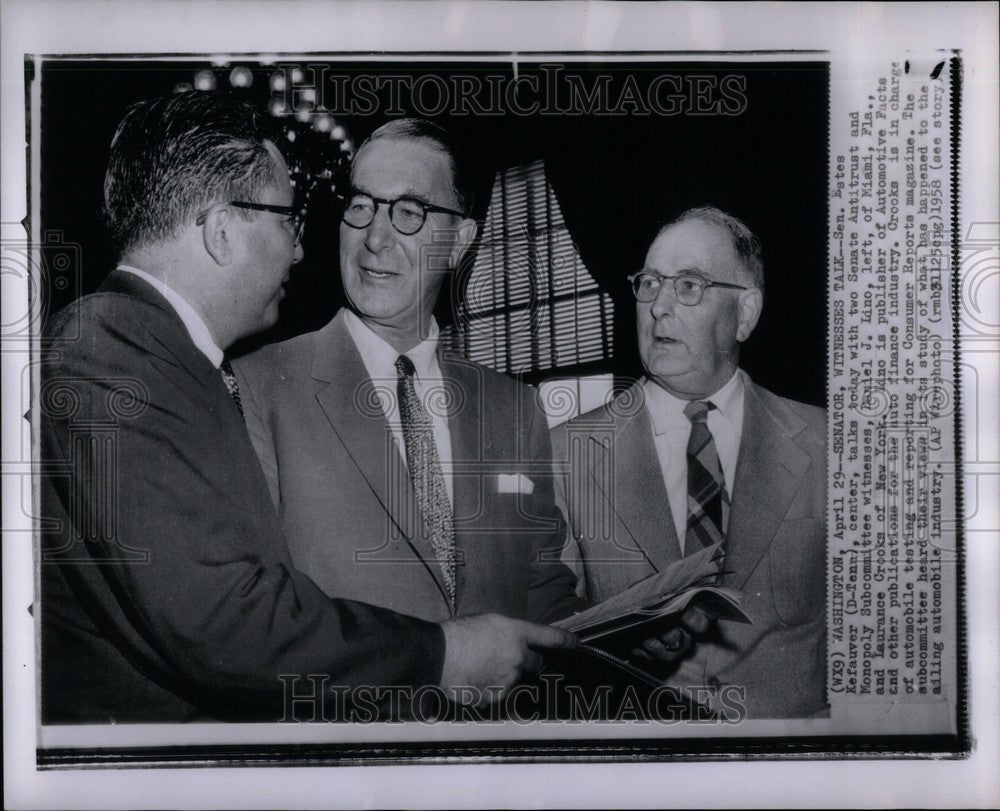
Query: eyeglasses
[[406, 214], [296, 216], [688, 287]]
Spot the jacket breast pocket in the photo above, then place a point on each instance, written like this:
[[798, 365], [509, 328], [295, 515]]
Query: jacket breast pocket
[[798, 571]]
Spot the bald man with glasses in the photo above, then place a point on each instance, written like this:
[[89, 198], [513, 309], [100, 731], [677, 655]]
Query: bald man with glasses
[[696, 454]]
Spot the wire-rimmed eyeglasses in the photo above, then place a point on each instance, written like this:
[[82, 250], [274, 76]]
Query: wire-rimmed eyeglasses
[[406, 214], [295, 216], [688, 287]]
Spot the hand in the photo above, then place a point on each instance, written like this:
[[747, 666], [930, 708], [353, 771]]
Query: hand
[[494, 651], [675, 643]]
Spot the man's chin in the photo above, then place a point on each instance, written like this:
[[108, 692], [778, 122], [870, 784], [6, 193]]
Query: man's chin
[[667, 361], [687, 384], [674, 377], [270, 316]]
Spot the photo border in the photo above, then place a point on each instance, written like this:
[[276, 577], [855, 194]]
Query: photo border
[[930, 783]]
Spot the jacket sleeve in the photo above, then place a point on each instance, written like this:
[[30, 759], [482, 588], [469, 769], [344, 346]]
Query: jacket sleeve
[[170, 539], [260, 436], [552, 594], [572, 555]]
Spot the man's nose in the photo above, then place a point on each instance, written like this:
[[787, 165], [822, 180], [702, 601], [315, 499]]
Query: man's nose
[[298, 253], [665, 301], [380, 233]]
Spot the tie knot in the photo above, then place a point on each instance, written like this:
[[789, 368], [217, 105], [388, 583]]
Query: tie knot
[[404, 367], [697, 410]]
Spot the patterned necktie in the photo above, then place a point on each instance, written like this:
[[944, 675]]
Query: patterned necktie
[[231, 385], [706, 485], [425, 473]]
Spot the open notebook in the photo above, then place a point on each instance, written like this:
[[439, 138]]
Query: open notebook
[[600, 681], [657, 598]]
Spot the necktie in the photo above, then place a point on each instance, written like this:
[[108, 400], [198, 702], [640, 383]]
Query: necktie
[[425, 473], [706, 485], [231, 385]]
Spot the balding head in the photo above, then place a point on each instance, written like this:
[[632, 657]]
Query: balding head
[[745, 242]]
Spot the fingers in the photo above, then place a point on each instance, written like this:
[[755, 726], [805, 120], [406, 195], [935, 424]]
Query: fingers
[[532, 662], [640, 654], [547, 636], [490, 653], [653, 648], [668, 647], [695, 620], [675, 640]]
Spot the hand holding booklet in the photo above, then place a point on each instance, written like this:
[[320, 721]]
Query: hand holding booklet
[[661, 596], [600, 670]]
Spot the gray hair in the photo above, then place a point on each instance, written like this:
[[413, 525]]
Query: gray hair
[[745, 242], [442, 140], [173, 156]]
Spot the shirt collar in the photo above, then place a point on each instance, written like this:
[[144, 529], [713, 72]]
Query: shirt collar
[[380, 357], [667, 411], [193, 323]]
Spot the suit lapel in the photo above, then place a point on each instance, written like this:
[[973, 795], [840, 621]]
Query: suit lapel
[[467, 431], [351, 404], [769, 471], [638, 496], [177, 343]]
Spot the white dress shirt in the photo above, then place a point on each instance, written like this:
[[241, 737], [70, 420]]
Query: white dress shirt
[[671, 431], [380, 362], [193, 323]]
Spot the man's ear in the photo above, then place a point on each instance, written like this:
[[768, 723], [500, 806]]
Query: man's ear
[[466, 234], [217, 234], [751, 303]]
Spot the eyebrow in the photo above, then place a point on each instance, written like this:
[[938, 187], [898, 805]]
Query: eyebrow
[[681, 272]]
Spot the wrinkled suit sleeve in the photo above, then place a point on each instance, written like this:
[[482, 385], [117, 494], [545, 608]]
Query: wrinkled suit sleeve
[[181, 559]]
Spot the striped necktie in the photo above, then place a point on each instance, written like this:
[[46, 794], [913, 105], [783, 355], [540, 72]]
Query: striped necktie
[[706, 485], [231, 385], [426, 474]]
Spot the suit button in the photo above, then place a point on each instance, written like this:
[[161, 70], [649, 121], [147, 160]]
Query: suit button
[[714, 683]]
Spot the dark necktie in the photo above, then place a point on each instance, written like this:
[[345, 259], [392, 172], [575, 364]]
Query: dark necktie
[[706, 485], [425, 473], [231, 385]]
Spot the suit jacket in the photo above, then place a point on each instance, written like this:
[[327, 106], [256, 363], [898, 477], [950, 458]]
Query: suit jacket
[[612, 492], [167, 589], [346, 502]]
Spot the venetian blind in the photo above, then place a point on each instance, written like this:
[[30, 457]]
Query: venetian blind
[[529, 303]]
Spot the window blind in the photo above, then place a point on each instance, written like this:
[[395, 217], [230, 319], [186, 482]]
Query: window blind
[[529, 303]]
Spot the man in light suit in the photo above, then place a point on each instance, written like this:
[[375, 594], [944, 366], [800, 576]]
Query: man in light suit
[[326, 413], [402, 476], [168, 592], [697, 453]]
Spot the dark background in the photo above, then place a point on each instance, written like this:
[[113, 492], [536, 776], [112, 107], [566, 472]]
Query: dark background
[[616, 178]]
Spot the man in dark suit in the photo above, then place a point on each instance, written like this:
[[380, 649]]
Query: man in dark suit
[[168, 592], [697, 453], [364, 514]]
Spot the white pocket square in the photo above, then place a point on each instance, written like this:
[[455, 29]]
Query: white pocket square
[[515, 483]]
